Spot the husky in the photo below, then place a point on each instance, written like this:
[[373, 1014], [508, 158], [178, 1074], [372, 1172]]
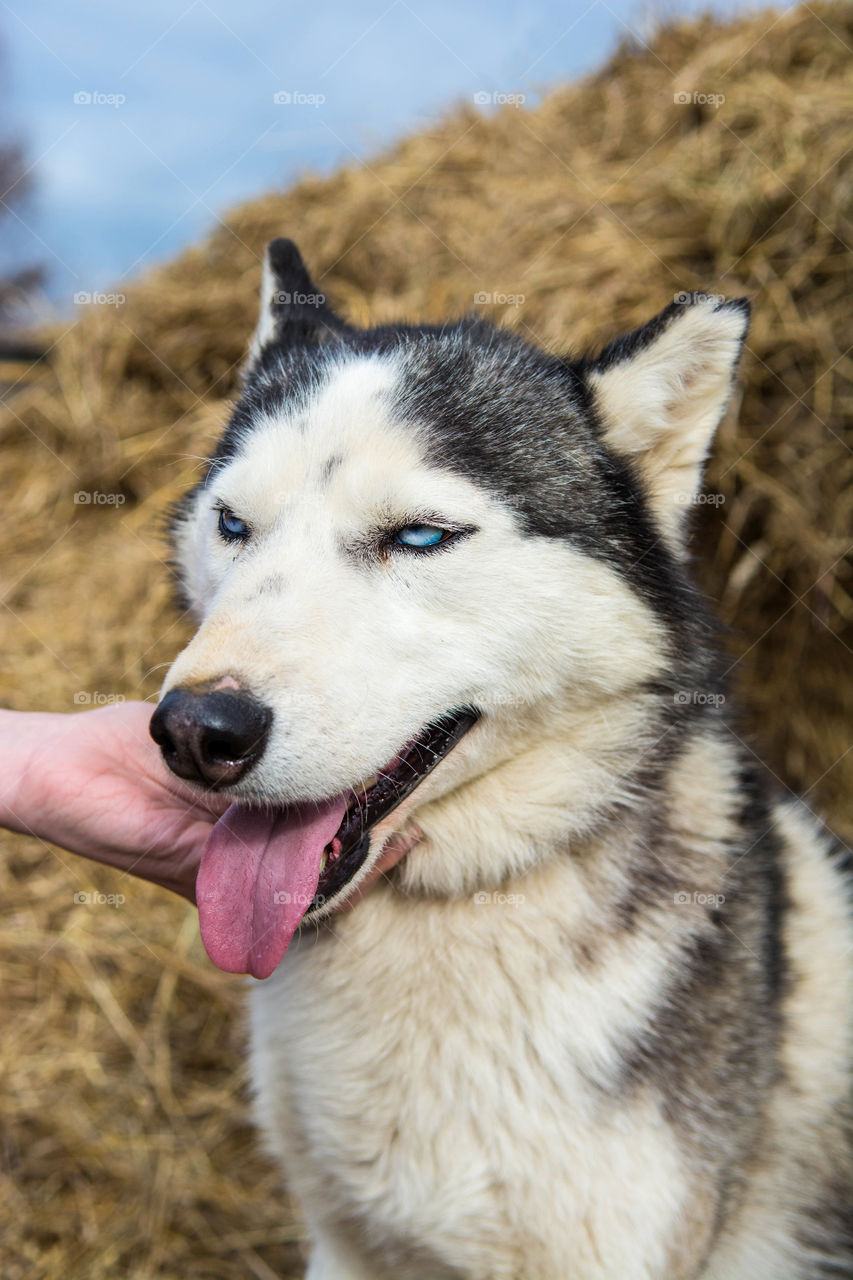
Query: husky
[[551, 980]]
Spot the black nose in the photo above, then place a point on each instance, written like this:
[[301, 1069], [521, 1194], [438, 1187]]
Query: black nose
[[210, 737]]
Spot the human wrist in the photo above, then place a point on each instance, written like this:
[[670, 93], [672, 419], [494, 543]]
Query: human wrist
[[22, 736]]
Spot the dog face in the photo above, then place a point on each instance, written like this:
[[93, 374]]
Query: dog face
[[417, 548]]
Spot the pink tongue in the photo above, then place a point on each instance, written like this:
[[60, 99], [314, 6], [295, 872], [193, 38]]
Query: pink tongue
[[258, 874]]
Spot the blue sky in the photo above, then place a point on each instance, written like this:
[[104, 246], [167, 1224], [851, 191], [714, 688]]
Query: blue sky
[[182, 120]]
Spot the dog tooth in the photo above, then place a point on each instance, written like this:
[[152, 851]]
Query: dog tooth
[[323, 861]]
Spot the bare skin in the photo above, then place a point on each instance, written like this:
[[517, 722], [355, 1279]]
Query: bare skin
[[94, 783]]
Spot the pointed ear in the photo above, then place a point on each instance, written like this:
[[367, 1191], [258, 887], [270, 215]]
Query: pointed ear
[[661, 392], [293, 310]]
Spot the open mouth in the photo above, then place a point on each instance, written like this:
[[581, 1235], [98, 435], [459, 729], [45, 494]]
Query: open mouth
[[263, 872], [347, 851]]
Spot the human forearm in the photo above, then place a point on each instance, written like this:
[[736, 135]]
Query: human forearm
[[22, 735]]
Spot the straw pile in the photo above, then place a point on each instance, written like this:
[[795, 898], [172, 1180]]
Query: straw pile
[[127, 1148]]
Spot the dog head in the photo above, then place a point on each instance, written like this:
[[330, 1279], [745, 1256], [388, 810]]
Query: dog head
[[418, 554]]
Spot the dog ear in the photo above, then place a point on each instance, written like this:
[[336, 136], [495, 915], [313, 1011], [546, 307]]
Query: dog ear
[[293, 312], [662, 390]]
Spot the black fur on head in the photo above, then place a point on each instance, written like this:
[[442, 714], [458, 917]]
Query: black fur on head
[[520, 421], [294, 311], [525, 424]]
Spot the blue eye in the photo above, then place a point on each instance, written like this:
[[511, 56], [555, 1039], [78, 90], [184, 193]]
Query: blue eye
[[420, 535], [232, 528]]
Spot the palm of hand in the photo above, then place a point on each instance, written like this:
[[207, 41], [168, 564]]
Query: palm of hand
[[102, 790]]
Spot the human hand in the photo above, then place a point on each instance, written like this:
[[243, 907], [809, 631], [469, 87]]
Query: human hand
[[95, 783]]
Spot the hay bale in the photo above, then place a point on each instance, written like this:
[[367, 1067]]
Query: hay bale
[[128, 1150]]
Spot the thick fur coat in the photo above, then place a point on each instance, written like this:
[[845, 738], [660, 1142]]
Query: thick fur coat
[[595, 1022]]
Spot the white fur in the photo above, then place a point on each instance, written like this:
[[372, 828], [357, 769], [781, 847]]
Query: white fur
[[355, 658], [265, 330], [457, 1039], [439, 1070], [662, 406]]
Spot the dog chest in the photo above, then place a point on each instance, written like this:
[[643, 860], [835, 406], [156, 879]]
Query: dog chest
[[455, 1078]]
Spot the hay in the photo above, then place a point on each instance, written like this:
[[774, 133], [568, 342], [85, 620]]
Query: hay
[[127, 1149]]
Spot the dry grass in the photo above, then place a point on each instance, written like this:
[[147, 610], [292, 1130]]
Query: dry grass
[[127, 1150]]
